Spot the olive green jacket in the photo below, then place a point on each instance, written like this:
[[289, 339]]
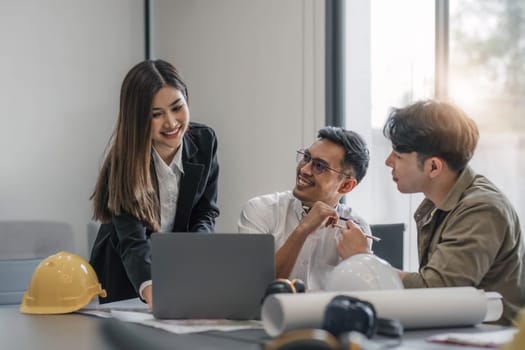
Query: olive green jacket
[[472, 239]]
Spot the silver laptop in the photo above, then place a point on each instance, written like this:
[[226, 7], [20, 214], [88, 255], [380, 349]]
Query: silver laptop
[[210, 276]]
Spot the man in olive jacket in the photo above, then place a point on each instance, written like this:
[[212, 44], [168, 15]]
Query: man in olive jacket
[[468, 232]]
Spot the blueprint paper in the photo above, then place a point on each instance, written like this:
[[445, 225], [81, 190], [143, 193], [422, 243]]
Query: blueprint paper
[[414, 308]]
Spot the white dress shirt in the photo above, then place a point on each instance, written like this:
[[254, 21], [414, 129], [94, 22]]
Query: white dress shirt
[[168, 177], [279, 214]]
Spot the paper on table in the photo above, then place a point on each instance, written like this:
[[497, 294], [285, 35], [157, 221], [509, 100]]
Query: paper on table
[[104, 310], [486, 339], [185, 326], [134, 310], [414, 308], [134, 304]]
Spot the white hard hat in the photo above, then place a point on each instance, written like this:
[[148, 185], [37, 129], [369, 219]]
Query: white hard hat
[[363, 272]]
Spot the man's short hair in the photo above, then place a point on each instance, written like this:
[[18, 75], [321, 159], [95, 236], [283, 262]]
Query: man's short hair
[[356, 156], [433, 129]]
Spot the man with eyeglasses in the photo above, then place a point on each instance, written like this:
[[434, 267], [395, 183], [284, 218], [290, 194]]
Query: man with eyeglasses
[[468, 232], [306, 221]]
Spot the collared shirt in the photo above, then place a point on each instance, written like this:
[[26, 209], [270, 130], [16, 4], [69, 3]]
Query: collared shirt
[[279, 214], [472, 239], [169, 179]]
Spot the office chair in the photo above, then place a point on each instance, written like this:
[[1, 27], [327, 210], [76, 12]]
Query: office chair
[[390, 248], [24, 245], [92, 231]]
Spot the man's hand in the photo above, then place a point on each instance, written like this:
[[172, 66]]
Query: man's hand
[[352, 241], [320, 214]]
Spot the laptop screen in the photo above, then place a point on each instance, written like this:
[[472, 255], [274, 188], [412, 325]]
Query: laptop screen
[[210, 276]]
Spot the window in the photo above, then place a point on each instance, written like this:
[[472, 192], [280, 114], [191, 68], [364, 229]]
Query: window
[[390, 62], [400, 66], [487, 79]]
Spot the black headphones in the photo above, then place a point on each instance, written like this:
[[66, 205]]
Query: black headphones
[[343, 316], [283, 285]]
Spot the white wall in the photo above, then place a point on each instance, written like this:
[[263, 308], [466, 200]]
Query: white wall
[[255, 70], [61, 65], [255, 73]]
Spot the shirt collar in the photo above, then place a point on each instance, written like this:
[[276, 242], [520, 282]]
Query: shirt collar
[[298, 208], [300, 212], [462, 183], [176, 162]]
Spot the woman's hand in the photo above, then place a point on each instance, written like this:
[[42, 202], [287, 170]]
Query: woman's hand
[[147, 294]]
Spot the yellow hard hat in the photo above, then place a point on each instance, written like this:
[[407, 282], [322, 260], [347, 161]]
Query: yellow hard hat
[[62, 283]]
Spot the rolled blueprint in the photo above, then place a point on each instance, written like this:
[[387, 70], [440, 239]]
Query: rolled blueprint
[[414, 308]]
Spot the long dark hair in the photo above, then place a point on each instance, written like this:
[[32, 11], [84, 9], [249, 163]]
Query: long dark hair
[[124, 183]]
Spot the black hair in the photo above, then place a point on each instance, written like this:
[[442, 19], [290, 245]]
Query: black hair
[[356, 156]]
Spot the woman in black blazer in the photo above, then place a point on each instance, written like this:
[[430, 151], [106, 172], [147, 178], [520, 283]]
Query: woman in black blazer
[[160, 174]]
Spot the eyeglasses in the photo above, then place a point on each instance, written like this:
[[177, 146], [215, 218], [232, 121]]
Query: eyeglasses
[[319, 166]]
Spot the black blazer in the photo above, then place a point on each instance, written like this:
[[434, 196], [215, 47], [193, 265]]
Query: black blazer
[[121, 254]]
